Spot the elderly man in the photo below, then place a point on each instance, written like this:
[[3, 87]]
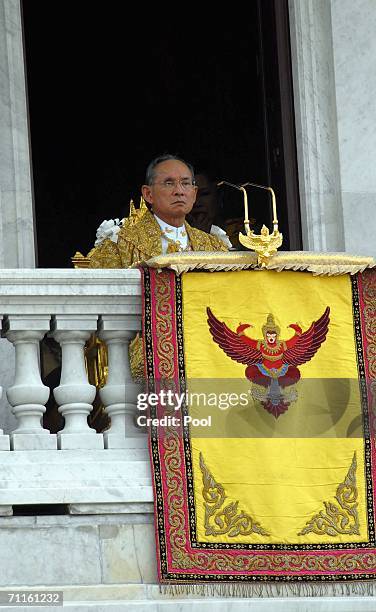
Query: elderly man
[[170, 192]]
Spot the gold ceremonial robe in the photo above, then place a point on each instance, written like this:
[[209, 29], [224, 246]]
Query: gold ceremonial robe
[[142, 241]]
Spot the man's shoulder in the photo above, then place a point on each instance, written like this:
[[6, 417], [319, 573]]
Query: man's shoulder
[[144, 236], [136, 231], [201, 241]]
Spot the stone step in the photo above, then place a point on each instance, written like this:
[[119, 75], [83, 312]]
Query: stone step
[[140, 598]]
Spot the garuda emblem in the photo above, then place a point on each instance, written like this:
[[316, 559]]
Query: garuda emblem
[[272, 363]]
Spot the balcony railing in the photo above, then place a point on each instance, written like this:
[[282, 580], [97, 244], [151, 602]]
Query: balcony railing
[[77, 465]]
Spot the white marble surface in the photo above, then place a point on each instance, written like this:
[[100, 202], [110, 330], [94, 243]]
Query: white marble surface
[[43, 556], [316, 125], [128, 553], [354, 44], [217, 605], [27, 442], [77, 551], [72, 291], [75, 477], [360, 222], [145, 598], [16, 217], [333, 49], [8, 421], [108, 509]]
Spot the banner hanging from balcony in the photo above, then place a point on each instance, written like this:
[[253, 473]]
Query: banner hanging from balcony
[[261, 404]]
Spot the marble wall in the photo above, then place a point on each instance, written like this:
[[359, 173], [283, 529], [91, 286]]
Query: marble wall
[[354, 48], [316, 125], [333, 48]]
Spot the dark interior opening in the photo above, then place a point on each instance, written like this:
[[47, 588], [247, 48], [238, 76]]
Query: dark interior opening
[[108, 92], [39, 509]]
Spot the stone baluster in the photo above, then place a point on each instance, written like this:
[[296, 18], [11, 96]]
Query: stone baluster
[[74, 394], [119, 395], [28, 395], [4, 439]]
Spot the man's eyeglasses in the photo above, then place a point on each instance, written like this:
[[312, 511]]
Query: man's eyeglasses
[[170, 184]]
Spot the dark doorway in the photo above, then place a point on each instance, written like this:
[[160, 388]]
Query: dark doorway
[[108, 92]]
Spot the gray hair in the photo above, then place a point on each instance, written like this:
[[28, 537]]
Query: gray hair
[[150, 170]]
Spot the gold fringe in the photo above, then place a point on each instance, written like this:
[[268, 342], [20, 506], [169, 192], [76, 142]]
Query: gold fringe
[[271, 589], [331, 264]]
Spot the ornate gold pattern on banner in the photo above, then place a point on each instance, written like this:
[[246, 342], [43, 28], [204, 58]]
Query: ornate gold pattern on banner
[[317, 263], [163, 326], [342, 518], [369, 298], [219, 519]]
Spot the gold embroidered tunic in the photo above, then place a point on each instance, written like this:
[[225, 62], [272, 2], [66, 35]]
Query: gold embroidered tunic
[[142, 241]]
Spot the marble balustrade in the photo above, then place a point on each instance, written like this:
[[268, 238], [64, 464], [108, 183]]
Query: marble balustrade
[[77, 465], [69, 305]]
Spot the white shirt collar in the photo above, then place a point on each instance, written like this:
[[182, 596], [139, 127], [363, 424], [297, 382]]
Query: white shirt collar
[[173, 233]]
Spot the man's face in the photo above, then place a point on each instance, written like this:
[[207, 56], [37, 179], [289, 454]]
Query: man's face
[[271, 337], [168, 195]]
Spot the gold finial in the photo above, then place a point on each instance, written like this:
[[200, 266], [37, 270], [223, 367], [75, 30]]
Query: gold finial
[[80, 261], [132, 209], [135, 214], [143, 206]]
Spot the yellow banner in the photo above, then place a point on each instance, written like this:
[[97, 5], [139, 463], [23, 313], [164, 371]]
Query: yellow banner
[[283, 461]]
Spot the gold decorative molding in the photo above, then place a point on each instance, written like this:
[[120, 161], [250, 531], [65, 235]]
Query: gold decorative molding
[[81, 261], [340, 518], [220, 519], [331, 264]]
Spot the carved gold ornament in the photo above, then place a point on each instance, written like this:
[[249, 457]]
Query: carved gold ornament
[[266, 243], [220, 519], [342, 517]]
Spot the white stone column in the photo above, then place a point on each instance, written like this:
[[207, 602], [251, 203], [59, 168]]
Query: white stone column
[[119, 395], [17, 245], [75, 395], [354, 49], [316, 125], [28, 395]]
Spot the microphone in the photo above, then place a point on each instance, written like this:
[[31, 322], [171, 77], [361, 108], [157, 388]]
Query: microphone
[[266, 243], [245, 199], [274, 205]]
